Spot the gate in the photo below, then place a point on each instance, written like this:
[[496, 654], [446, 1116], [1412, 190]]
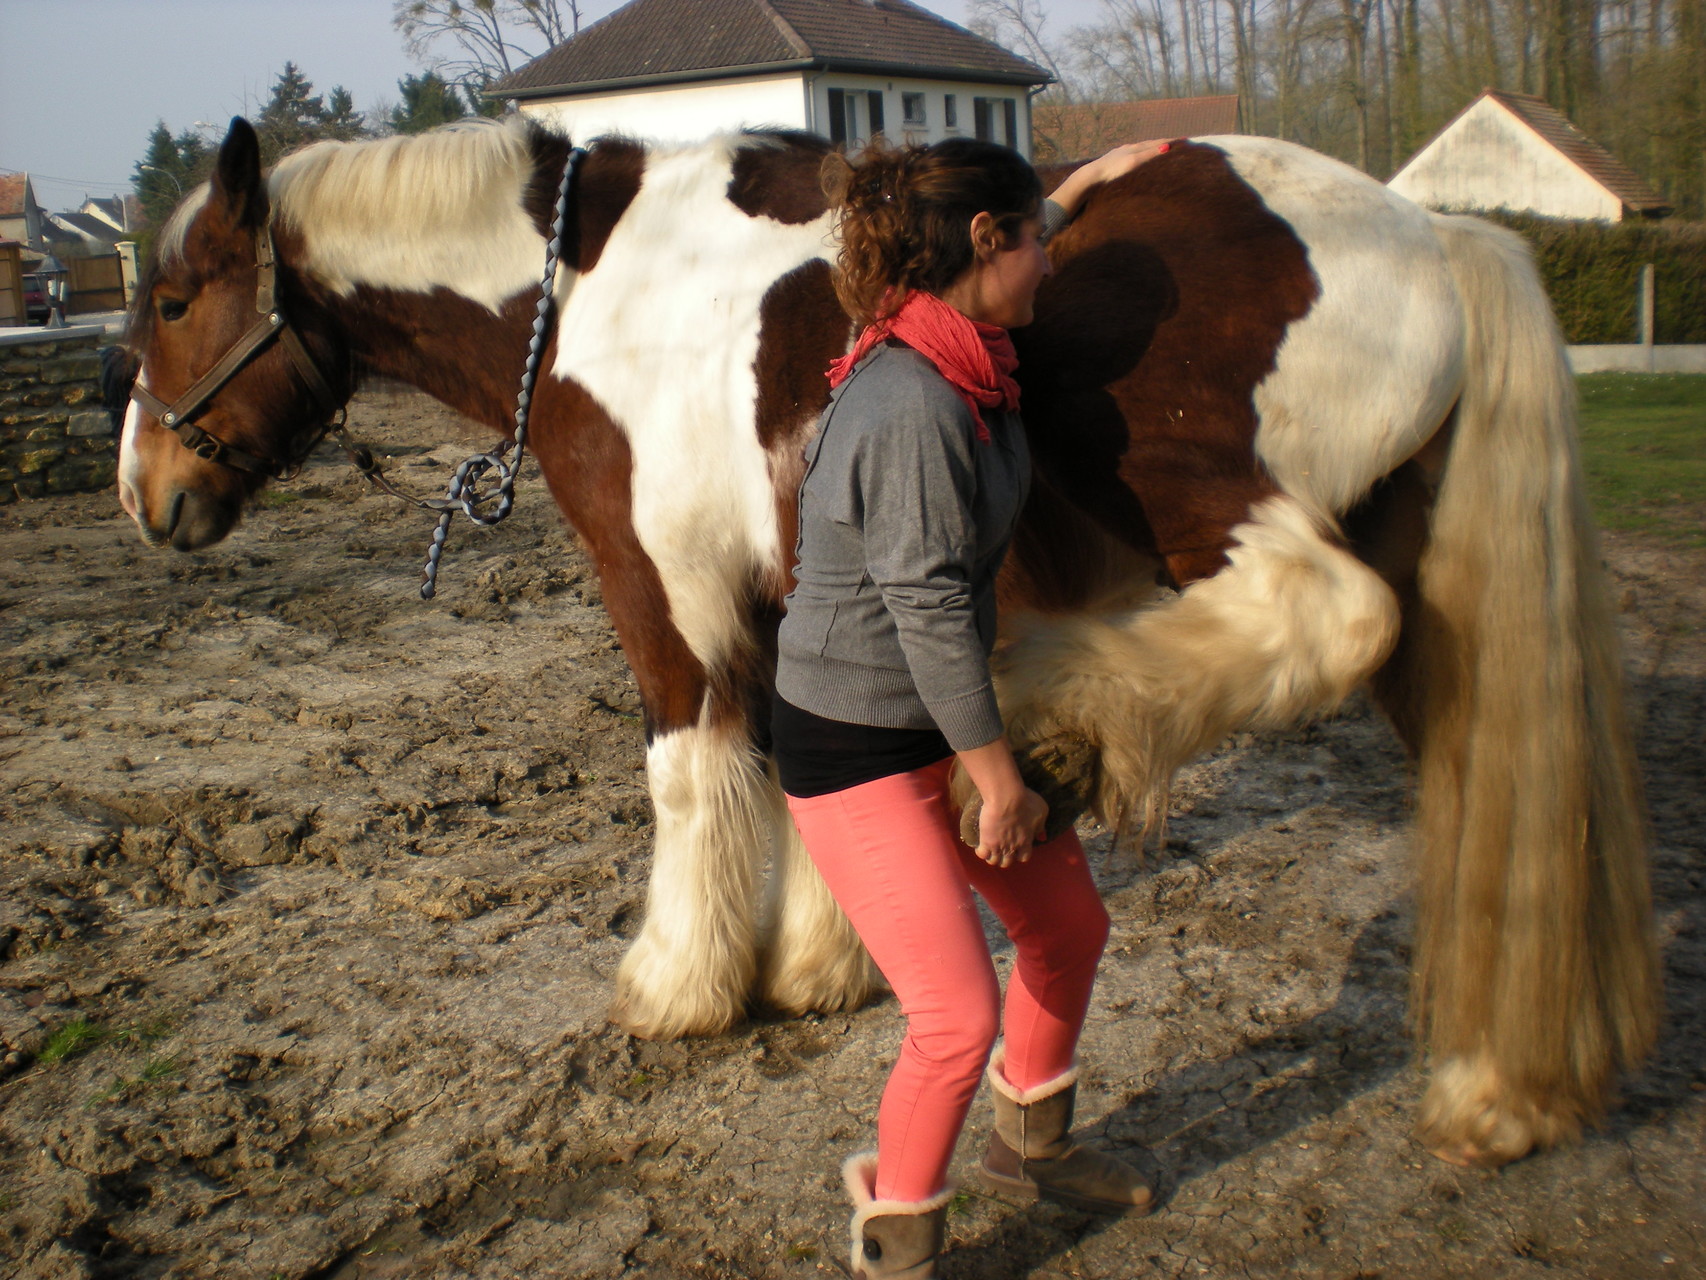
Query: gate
[[95, 284], [11, 285]]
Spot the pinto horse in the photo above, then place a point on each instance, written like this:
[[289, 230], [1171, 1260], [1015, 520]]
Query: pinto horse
[[1292, 434]]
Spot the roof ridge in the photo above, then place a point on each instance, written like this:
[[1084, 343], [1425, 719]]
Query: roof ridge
[[792, 36]]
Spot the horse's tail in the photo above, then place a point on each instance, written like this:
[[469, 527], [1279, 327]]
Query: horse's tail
[[1535, 975]]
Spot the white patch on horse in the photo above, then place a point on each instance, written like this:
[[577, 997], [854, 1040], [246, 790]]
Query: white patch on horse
[[129, 461], [416, 213], [665, 335], [1369, 374], [169, 248]]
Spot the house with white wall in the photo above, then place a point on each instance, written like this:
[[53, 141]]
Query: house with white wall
[[845, 69], [1518, 152]]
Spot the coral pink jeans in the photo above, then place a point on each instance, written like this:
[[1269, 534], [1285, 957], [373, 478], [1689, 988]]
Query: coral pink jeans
[[891, 854]]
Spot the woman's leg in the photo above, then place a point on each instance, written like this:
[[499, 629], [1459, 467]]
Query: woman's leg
[[890, 855], [1054, 914]]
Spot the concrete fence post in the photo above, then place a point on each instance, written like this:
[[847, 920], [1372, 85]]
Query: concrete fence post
[[1645, 301]]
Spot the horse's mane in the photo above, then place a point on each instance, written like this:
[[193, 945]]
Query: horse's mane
[[426, 179]]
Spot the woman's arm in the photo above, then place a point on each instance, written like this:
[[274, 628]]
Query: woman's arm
[[1121, 160]]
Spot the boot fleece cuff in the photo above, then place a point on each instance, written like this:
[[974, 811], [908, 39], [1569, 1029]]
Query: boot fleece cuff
[[1037, 1092], [859, 1174]]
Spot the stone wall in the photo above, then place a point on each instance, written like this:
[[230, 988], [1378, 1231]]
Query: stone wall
[[55, 436]]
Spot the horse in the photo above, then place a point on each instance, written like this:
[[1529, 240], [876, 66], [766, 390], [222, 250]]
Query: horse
[[1292, 434]]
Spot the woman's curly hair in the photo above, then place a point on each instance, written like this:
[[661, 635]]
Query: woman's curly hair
[[903, 216]]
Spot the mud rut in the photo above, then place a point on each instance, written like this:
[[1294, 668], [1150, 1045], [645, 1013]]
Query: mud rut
[[344, 878]]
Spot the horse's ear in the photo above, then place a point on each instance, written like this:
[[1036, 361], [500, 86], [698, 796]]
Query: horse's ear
[[238, 187]]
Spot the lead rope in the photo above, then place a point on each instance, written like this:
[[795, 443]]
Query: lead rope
[[463, 490]]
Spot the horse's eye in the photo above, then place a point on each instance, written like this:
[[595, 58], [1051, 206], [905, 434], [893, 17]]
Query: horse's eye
[[173, 308]]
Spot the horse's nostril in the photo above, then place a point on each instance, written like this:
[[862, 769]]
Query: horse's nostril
[[176, 513]]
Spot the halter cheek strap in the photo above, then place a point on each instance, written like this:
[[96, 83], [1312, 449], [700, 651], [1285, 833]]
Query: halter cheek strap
[[178, 417]]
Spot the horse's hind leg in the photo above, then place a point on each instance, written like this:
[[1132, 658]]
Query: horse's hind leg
[[1283, 632], [811, 960]]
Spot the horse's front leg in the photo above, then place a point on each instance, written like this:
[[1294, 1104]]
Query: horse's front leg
[[691, 969]]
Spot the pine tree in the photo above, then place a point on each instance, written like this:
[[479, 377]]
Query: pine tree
[[158, 177], [427, 103], [342, 121], [293, 116]]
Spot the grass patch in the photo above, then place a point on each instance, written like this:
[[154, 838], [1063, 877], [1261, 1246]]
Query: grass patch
[[1644, 451], [153, 1072], [73, 1040], [80, 1035], [272, 499]]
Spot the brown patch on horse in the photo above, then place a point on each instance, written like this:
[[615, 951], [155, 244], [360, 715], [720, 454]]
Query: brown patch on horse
[[609, 180], [777, 176], [1104, 572], [589, 467], [802, 328], [449, 346], [1173, 290]]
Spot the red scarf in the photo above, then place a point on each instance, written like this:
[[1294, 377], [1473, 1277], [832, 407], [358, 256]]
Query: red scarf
[[977, 359]]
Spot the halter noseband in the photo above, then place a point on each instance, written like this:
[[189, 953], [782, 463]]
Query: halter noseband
[[179, 416]]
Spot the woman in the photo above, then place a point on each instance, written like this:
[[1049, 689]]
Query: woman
[[912, 490]]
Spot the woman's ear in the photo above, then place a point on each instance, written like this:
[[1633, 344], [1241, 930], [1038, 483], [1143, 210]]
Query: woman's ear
[[986, 237]]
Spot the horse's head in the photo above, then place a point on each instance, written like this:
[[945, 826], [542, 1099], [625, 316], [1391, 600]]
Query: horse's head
[[238, 370]]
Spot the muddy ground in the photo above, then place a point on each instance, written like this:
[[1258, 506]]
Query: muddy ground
[[338, 882]]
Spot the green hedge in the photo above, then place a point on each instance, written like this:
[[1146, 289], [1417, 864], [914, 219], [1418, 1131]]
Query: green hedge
[[1592, 271]]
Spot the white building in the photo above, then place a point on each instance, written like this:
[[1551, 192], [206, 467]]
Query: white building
[[1517, 152], [845, 69]]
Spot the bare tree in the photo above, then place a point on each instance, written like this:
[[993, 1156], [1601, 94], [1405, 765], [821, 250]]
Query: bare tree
[[494, 37]]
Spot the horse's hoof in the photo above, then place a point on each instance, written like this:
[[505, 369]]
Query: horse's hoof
[[834, 986], [1062, 770], [664, 996], [1466, 1155]]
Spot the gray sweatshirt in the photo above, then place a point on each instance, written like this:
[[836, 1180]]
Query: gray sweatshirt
[[905, 517]]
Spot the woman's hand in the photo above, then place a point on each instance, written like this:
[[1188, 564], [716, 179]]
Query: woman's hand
[[1105, 168], [1007, 834], [1013, 816]]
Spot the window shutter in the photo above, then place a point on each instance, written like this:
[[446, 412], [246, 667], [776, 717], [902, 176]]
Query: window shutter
[[982, 125], [837, 116], [1010, 110], [876, 100]]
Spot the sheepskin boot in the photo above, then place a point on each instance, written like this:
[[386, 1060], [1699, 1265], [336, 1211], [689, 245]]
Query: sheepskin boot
[[892, 1239], [1031, 1153]]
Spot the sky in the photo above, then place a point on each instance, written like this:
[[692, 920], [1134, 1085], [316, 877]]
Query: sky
[[82, 82]]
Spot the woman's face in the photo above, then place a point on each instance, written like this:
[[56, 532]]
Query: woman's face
[[1001, 286]]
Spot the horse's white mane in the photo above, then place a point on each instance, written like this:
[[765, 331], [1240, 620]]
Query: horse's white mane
[[412, 181], [430, 174]]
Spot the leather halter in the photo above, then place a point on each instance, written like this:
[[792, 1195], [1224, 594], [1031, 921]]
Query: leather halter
[[179, 416]]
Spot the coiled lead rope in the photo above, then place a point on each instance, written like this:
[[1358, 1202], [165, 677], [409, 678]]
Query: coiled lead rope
[[506, 458]]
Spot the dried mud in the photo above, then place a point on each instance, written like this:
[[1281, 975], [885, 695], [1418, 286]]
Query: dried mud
[[338, 882]]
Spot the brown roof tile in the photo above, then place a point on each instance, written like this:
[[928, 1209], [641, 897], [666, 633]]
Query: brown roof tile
[[1076, 130], [1582, 151], [668, 40]]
